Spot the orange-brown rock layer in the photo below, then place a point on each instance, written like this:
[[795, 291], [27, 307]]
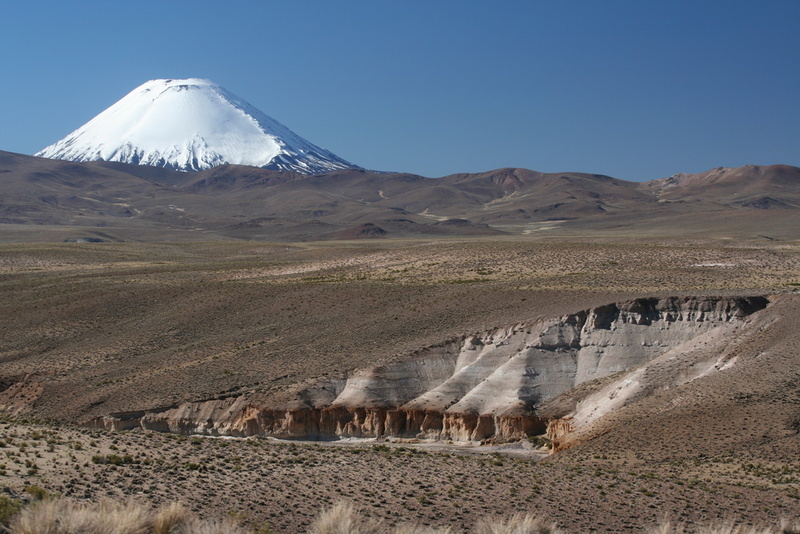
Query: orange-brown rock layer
[[557, 430], [232, 417]]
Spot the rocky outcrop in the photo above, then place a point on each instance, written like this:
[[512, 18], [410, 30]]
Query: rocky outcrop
[[324, 423], [555, 432], [475, 387]]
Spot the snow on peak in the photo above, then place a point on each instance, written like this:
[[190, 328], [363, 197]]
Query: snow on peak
[[191, 125]]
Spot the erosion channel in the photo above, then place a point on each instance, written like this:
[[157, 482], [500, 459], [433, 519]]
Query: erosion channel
[[489, 386]]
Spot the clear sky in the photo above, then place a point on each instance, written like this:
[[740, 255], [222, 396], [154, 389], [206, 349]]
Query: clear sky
[[637, 89]]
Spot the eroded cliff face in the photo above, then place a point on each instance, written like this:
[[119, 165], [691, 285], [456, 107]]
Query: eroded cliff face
[[481, 386], [237, 418]]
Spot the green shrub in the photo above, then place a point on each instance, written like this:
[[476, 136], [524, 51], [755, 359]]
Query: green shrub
[[112, 459], [9, 507], [37, 492]]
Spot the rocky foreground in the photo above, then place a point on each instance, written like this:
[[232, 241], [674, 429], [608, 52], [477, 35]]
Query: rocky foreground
[[287, 484]]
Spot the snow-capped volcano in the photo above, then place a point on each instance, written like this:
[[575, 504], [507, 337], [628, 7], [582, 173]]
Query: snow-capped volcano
[[190, 125]]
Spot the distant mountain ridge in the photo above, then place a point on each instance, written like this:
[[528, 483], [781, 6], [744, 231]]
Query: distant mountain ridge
[[122, 202], [750, 178], [191, 125]]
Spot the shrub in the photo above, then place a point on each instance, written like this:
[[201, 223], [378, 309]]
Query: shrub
[[790, 527], [342, 518], [58, 516], [112, 459], [727, 527], [171, 519], [37, 492], [9, 507], [416, 529], [519, 524], [61, 516]]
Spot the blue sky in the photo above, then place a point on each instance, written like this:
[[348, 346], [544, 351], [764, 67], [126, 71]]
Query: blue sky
[[634, 89]]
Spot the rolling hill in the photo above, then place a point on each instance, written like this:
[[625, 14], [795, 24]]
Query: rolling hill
[[56, 200]]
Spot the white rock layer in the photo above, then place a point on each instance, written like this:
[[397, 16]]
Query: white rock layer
[[488, 385]]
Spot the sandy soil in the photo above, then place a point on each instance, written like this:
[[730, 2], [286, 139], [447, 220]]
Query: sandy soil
[[97, 328], [286, 484]]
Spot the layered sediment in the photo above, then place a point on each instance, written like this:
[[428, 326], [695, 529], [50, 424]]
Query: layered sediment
[[323, 423], [471, 388]]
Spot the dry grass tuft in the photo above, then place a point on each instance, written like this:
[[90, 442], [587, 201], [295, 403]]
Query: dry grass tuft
[[790, 526], [53, 516], [342, 518], [667, 527], [39, 518], [107, 517], [731, 528], [172, 519], [214, 526], [518, 524], [410, 528], [727, 527], [61, 516]]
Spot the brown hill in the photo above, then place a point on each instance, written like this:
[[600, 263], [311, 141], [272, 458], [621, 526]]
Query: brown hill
[[734, 185], [44, 199]]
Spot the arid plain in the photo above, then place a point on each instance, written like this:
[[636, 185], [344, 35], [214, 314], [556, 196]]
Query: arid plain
[[90, 329]]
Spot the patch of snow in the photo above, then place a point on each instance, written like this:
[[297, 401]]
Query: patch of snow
[[190, 125]]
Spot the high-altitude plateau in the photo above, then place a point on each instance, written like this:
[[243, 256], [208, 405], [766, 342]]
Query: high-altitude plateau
[[191, 125]]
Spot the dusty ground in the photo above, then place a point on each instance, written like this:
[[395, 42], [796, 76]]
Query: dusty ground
[[114, 327], [104, 327], [286, 484]]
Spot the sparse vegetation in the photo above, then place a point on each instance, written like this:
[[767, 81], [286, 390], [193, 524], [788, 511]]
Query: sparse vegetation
[[62, 516], [393, 483], [69, 517], [146, 325]]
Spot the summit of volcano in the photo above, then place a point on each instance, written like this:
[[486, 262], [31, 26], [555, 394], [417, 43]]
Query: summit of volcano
[[191, 125]]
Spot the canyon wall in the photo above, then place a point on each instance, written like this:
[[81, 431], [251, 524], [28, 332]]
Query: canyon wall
[[482, 386]]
